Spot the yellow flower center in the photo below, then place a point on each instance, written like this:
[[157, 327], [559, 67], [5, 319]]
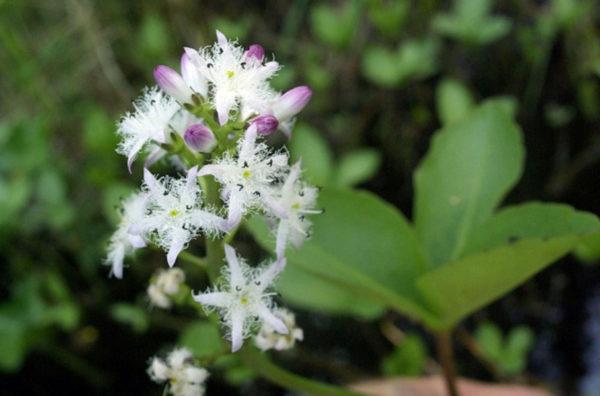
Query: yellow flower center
[[246, 174], [230, 73], [244, 300], [296, 205], [173, 213]]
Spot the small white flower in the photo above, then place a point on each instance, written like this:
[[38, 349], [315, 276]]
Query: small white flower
[[123, 242], [174, 215], [237, 79], [165, 285], [267, 338], [297, 199], [244, 300], [149, 122], [247, 181], [184, 378]]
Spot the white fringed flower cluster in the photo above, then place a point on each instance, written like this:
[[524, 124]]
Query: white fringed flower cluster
[[211, 120], [183, 378]]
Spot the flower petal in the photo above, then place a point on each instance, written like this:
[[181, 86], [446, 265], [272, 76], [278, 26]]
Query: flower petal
[[266, 315], [270, 273], [282, 234], [215, 299], [235, 270], [237, 329]]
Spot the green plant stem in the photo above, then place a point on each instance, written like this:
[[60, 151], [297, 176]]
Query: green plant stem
[[444, 347], [193, 259], [262, 366], [215, 254]]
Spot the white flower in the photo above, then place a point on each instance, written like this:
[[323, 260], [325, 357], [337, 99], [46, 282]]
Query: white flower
[[179, 124], [184, 378], [149, 122], [267, 338], [174, 215], [297, 199], [123, 242], [237, 80], [247, 181], [165, 284], [244, 300]]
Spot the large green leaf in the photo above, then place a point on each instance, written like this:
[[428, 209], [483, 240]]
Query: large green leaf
[[469, 168], [365, 245], [507, 250]]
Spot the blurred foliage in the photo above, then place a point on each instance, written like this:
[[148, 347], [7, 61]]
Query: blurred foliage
[[408, 359], [386, 75]]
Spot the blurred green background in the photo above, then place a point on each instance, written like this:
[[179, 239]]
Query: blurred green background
[[385, 74]]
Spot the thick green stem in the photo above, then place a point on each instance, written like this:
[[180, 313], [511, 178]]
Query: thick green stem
[[261, 365], [444, 347], [193, 259]]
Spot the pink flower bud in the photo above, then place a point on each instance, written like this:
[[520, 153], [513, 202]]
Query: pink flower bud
[[292, 102], [266, 124], [171, 82], [256, 51], [199, 138]]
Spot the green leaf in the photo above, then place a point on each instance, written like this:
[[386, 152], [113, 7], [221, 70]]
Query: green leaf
[[13, 342], [588, 250], [389, 16], [365, 245], [408, 359], [380, 66], [507, 250], [131, 315], [309, 145], [469, 168], [203, 338], [357, 167], [454, 101], [531, 220], [518, 345], [489, 340], [336, 27]]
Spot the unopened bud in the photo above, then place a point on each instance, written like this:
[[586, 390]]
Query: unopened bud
[[256, 51], [266, 124], [199, 138], [172, 83], [292, 102]]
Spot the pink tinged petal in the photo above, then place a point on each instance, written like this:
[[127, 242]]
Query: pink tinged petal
[[255, 51], [134, 152], [136, 241], [191, 178], [235, 270], [270, 273], [221, 39], [248, 143], [154, 156], [273, 206], [292, 102], [191, 75], [214, 170], [152, 183], [282, 234], [235, 210], [292, 178], [216, 299], [176, 247], [117, 262], [237, 329], [172, 83], [267, 316], [266, 124], [199, 137], [223, 104]]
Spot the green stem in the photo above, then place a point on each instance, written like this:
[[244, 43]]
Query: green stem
[[261, 365], [193, 259], [444, 346], [215, 254]]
